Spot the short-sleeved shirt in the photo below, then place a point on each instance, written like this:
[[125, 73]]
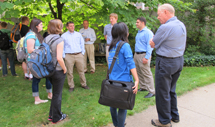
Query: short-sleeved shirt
[[53, 47], [24, 30], [107, 31], [31, 35]]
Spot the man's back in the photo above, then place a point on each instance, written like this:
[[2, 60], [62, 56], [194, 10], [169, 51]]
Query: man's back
[[24, 30]]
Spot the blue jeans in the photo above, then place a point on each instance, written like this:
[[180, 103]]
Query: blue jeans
[[10, 55], [118, 118], [35, 86]]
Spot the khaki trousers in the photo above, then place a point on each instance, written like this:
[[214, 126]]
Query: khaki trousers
[[107, 53], [89, 52], [146, 80], [77, 60]]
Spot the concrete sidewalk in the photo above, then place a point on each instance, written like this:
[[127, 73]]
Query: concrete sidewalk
[[196, 109]]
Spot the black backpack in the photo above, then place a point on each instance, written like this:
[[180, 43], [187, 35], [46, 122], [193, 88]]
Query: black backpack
[[4, 41]]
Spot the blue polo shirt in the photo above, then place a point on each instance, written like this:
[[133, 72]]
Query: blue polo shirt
[[124, 63], [170, 38], [142, 42]]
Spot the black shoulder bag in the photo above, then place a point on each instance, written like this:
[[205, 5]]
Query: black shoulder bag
[[117, 94]]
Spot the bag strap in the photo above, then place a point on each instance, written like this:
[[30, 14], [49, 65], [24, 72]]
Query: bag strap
[[52, 41], [121, 43]]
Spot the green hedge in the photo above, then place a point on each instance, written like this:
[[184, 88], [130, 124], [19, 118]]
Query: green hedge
[[196, 61], [200, 61]]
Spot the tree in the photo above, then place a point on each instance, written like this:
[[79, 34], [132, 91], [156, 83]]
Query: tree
[[201, 25], [96, 11]]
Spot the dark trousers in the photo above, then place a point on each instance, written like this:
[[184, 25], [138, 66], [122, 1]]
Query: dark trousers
[[57, 81], [10, 55], [167, 73]]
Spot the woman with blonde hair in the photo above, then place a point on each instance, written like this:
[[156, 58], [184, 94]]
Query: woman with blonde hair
[[55, 27]]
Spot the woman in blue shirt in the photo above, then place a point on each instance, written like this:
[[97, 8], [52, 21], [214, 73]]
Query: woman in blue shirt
[[33, 39], [122, 67]]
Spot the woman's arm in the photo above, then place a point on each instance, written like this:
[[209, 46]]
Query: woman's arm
[[30, 45], [134, 73], [60, 56]]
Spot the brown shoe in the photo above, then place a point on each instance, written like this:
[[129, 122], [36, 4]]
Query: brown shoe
[[92, 72], [85, 87], [157, 123], [71, 90]]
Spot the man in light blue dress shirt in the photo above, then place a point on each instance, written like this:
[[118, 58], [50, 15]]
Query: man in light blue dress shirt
[[142, 57], [170, 42], [74, 55], [107, 32], [89, 37]]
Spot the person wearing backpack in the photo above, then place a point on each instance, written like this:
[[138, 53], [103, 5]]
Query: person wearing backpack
[[55, 27], [6, 47], [33, 40]]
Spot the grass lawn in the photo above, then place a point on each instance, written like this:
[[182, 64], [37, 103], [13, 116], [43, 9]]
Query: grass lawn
[[82, 107]]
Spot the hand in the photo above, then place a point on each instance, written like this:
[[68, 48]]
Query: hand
[[145, 61], [64, 71], [135, 88], [87, 39], [151, 43]]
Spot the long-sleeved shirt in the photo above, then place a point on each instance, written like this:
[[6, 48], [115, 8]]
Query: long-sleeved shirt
[[88, 33], [124, 63], [107, 31], [170, 38], [142, 42], [73, 43]]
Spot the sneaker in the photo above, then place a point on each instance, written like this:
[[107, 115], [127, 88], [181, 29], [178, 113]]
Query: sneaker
[[4, 75], [157, 123], [50, 118], [62, 118]]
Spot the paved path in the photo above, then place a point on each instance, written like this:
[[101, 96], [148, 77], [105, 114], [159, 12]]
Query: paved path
[[196, 109]]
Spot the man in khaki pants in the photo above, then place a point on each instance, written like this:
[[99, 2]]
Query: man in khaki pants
[[107, 32], [74, 55], [142, 57], [89, 38]]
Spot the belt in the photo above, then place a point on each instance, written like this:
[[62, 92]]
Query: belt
[[107, 45], [74, 53], [140, 52], [168, 57]]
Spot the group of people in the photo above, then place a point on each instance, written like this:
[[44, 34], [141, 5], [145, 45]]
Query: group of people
[[170, 42], [73, 48]]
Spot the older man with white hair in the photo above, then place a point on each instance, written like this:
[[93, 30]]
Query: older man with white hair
[[169, 41]]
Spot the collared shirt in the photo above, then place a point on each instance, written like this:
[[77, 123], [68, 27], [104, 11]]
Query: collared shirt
[[123, 64], [88, 33], [142, 42], [107, 31], [170, 38], [73, 43]]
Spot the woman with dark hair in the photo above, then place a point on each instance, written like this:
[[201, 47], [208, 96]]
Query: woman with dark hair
[[122, 68], [55, 27], [33, 39]]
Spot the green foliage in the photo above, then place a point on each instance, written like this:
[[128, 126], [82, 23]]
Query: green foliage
[[200, 25], [192, 50], [200, 61], [96, 11]]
